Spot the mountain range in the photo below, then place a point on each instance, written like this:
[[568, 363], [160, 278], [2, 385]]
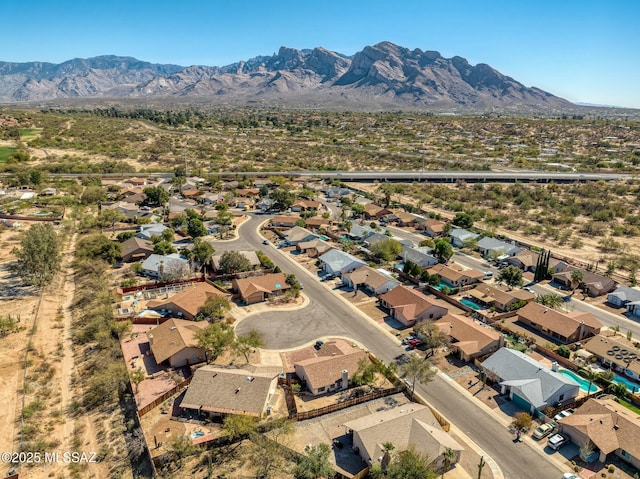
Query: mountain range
[[382, 76]]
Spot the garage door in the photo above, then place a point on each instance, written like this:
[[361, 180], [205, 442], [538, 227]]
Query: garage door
[[521, 403]]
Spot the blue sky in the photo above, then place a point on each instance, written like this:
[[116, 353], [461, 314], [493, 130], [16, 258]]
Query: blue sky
[[585, 51]]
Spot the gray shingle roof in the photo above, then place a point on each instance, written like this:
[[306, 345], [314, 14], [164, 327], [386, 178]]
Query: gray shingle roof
[[337, 259], [626, 294]]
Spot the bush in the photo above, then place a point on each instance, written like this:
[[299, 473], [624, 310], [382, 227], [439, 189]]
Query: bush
[[564, 351]]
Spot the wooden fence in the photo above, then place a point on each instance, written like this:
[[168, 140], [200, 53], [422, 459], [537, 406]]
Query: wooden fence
[[301, 416], [160, 399]]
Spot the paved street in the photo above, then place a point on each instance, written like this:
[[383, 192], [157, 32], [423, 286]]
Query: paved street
[[328, 314]]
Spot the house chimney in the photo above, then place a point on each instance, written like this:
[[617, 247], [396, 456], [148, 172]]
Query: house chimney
[[345, 379]]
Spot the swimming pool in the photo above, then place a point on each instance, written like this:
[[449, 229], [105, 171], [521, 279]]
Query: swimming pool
[[630, 386], [471, 304], [582, 382]]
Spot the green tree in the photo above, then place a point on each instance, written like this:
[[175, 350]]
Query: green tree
[[416, 369], [246, 344], [233, 262], [282, 199], [215, 339], [163, 247], [434, 337], [168, 235], [410, 464], [108, 217], [215, 307], [137, 377], [387, 249], [357, 210], [511, 276], [443, 250], [93, 194], [156, 196], [315, 464], [463, 220], [577, 276], [522, 420], [202, 252], [38, 257], [238, 426], [551, 300], [125, 235], [98, 246], [427, 242], [592, 376], [448, 455], [196, 228]]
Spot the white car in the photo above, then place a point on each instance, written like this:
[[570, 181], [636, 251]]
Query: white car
[[543, 431], [563, 414], [569, 475], [556, 441]]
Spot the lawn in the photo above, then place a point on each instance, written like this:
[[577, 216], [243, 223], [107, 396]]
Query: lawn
[[6, 152], [27, 134], [629, 405]]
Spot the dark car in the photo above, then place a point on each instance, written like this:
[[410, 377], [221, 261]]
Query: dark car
[[337, 443], [265, 242], [318, 345]]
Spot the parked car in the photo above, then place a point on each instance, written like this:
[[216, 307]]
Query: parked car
[[556, 441], [543, 431], [265, 242], [569, 475], [488, 274], [529, 290], [563, 414], [318, 345]]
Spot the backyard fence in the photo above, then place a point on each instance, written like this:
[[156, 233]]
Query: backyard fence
[[160, 399]]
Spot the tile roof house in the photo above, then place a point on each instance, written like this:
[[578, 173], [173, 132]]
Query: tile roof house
[[187, 302], [135, 249], [285, 221], [324, 374], [174, 341], [529, 383], [257, 289], [500, 299], [421, 256], [610, 429], [595, 284], [221, 391], [405, 219], [171, 266], [623, 295], [616, 353], [314, 247], [454, 275], [299, 234], [307, 205], [371, 280], [460, 236], [338, 262], [433, 227], [318, 222], [470, 339], [491, 246], [408, 426], [527, 260], [375, 212], [410, 306], [563, 327]]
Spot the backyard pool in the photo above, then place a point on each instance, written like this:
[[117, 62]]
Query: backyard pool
[[583, 383], [324, 238], [471, 304], [632, 387]]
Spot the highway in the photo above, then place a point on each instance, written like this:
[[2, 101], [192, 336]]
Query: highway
[[327, 314]]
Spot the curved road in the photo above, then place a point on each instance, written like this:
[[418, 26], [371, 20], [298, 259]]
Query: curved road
[[327, 314]]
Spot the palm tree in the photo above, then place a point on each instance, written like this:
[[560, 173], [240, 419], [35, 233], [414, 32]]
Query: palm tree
[[448, 456], [577, 276], [592, 376]]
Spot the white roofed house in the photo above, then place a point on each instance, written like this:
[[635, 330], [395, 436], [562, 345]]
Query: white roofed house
[[491, 246], [338, 262], [166, 267], [148, 231], [420, 256], [460, 236], [298, 234]]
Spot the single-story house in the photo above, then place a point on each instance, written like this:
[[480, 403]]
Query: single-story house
[[148, 231], [187, 302], [135, 249], [307, 205], [338, 262], [318, 222], [360, 232], [564, 328], [623, 295], [372, 280], [221, 391], [134, 199], [375, 212], [470, 339], [324, 374], [378, 238], [136, 181], [633, 308], [595, 284], [410, 306], [420, 256], [405, 219], [527, 260], [492, 247], [165, 267], [501, 299], [259, 288], [285, 221], [337, 192], [314, 247], [174, 341], [529, 383], [129, 210], [249, 254], [611, 430], [297, 234], [410, 426], [455, 275], [433, 227], [616, 353], [459, 237]]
